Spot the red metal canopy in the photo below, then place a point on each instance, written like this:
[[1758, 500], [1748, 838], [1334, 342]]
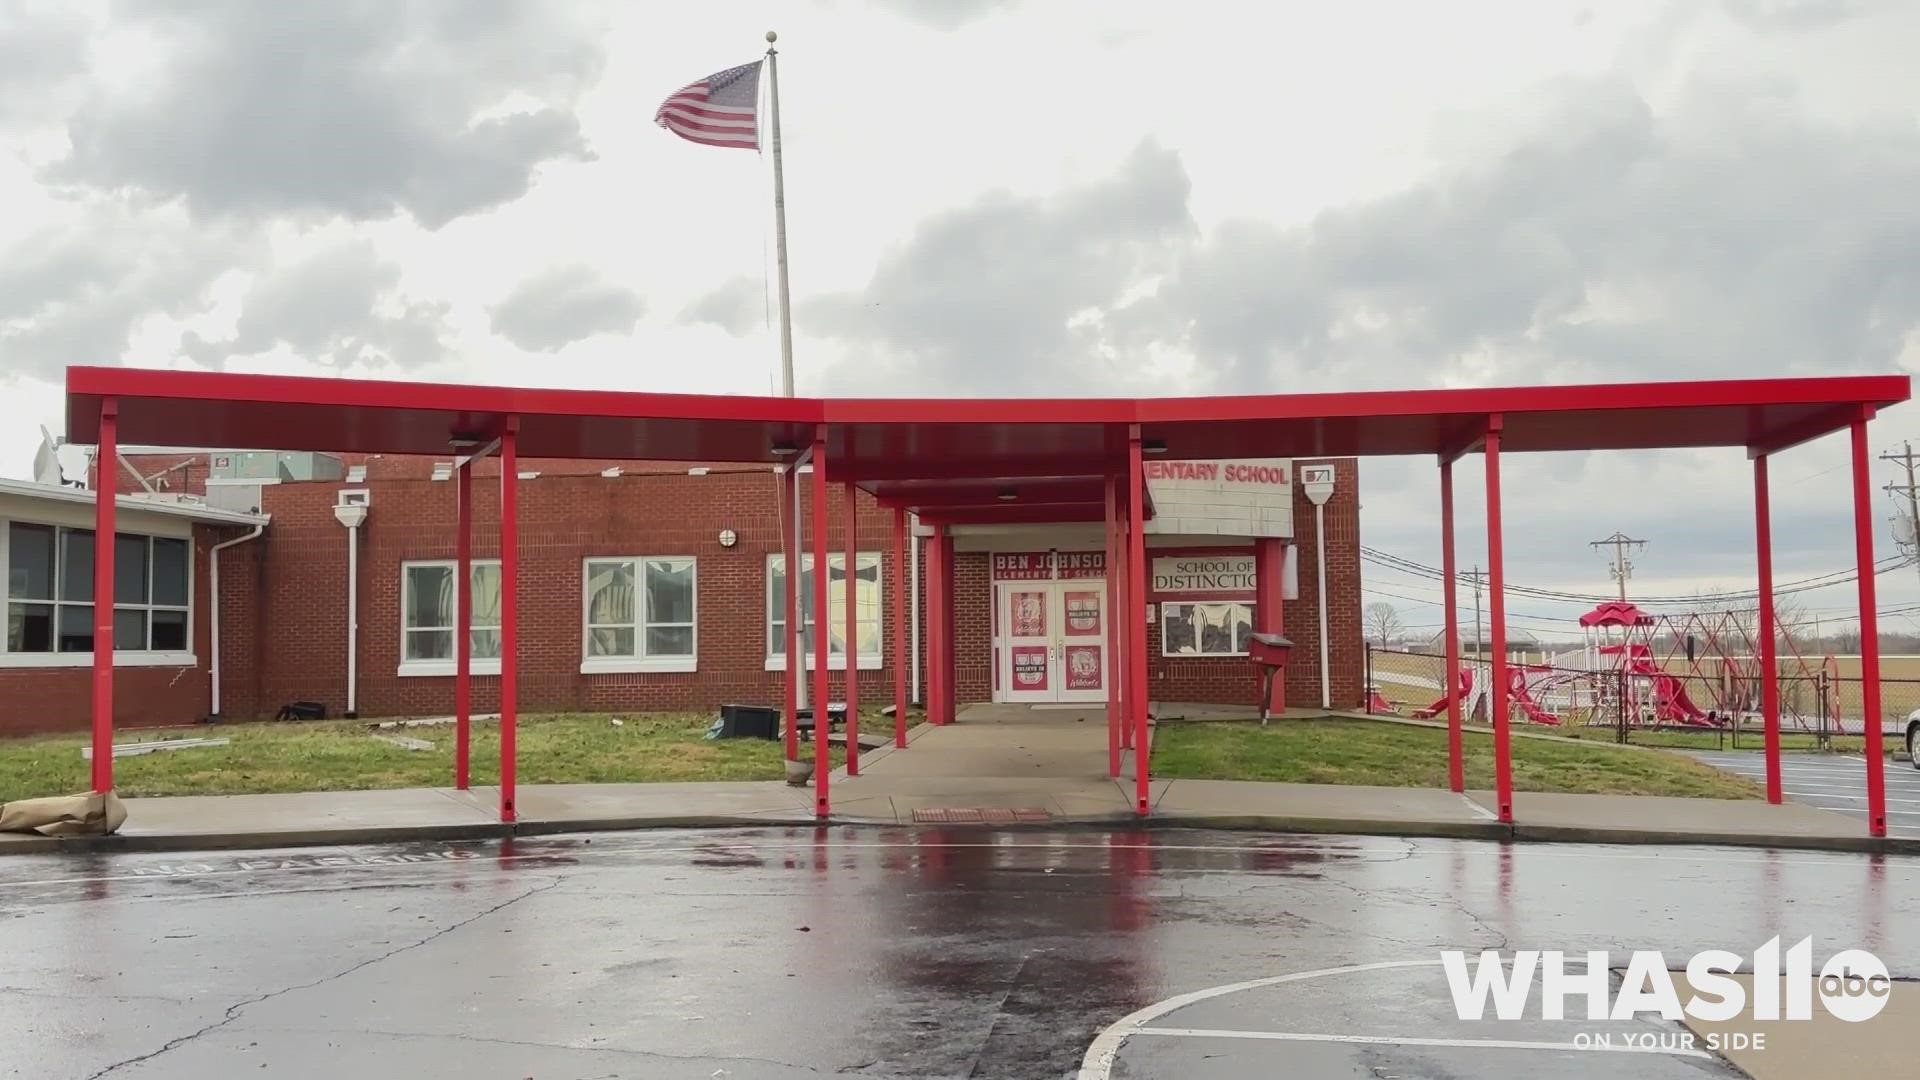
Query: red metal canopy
[[960, 457]]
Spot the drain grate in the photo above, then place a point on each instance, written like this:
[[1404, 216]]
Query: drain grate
[[981, 815]]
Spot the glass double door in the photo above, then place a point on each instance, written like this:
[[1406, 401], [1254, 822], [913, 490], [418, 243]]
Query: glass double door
[[1053, 640]]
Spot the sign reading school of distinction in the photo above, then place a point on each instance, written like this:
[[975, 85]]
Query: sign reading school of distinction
[[1227, 497]]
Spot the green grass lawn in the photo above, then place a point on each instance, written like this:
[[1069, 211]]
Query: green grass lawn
[[343, 756], [1401, 755]]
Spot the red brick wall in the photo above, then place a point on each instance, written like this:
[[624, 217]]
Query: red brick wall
[[284, 598], [40, 699], [299, 602]]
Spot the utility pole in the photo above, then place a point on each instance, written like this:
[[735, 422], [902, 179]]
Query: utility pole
[[1622, 568], [1479, 636], [1906, 526]]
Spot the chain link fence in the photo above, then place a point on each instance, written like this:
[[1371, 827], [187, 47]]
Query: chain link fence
[[1720, 710]]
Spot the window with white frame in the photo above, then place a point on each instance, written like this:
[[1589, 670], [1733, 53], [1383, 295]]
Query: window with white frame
[[50, 592], [638, 614], [866, 602], [1220, 628], [427, 616]]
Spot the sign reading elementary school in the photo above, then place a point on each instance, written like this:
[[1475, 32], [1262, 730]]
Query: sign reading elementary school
[[1250, 497]]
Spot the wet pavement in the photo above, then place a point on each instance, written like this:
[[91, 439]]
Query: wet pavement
[[1836, 782], [788, 952]]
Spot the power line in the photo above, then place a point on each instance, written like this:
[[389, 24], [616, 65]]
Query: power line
[[1820, 581]]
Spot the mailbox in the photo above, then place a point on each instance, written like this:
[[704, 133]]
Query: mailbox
[[1269, 653]]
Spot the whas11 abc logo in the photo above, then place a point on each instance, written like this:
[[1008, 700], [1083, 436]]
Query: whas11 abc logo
[[1853, 985]]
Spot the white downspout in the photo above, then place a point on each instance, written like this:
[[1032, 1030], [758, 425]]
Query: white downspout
[[1320, 543], [353, 618], [213, 602]]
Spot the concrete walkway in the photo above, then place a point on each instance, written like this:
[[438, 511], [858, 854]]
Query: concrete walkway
[[998, 765]]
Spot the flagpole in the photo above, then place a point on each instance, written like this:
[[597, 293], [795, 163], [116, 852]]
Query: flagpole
[[780, 219], [786, 334]]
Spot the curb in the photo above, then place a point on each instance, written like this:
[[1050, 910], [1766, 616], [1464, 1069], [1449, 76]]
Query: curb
[[1492, 831]]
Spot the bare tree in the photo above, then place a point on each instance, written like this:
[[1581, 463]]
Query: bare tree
[[1383, 622]]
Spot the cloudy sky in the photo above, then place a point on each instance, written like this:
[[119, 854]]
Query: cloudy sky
[[992, 197]]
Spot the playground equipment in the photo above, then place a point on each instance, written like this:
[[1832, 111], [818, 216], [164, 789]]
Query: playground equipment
[[1636, 669]]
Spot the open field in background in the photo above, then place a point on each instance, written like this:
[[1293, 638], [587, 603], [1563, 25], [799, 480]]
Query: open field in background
[[344, 756], [1400, 755]]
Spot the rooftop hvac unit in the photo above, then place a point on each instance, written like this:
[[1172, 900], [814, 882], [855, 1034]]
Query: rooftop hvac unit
[[275, 465]]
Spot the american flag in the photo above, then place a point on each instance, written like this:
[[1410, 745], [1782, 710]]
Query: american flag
[[719, 110]]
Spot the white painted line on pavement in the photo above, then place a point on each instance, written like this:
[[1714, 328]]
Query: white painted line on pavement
[[1392, 1040]]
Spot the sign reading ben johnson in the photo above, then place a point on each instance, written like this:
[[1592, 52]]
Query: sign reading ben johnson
[[1230, 497]]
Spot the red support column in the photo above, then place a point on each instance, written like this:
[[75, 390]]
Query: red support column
[[1869, 631], [849, 600], [1769, 667], [1137, 622], [509, 613], [1269, 590], [1456, 750], [932, 628], [106, 467], [463, 625], [1123, 616], [790, 558], [898, 590], [822, 662], [949, 683], [1497, 626], [1114, 623]]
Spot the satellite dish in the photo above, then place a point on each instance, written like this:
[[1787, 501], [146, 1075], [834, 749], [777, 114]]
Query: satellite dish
[[46, 460]]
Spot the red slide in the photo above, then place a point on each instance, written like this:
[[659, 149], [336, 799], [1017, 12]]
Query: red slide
[[1528, 707], [1671, 701], [1465, 688]]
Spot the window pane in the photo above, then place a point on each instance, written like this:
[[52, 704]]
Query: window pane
[[129, 628], [30, 562], [169, 631], [30, 628], [610, 594], [669, 641], [869, 639], [429, 645], [1242, 626], [1216, 628], [485, 596], [1176, 629], [482, 644], [169, 572], [670, 592], [76, 627], [76, 565], [610, 641], [129, 572], [430, 596]]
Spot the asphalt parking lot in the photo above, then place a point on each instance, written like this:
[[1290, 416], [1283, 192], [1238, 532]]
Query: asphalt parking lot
[[1832, 782], [800, 952]]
